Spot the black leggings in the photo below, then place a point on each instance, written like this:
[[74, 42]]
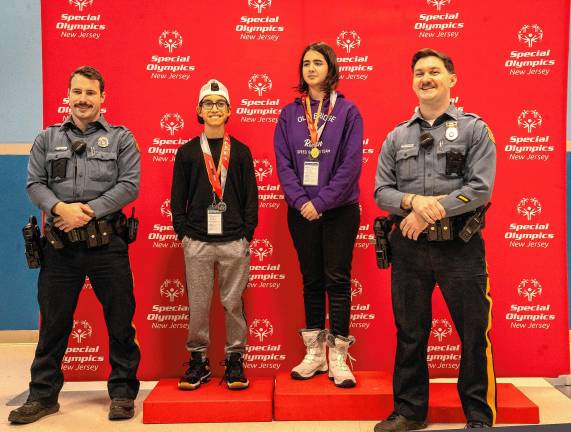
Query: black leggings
[[325, 250]]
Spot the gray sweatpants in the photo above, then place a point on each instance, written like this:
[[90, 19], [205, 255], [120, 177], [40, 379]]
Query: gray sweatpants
[[233, 260]]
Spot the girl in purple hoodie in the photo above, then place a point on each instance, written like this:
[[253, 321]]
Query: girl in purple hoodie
[[318, 144]]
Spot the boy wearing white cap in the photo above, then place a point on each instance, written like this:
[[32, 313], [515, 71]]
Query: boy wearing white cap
[[214, 204]]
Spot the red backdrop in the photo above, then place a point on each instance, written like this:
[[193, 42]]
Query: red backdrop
[[511, 59]]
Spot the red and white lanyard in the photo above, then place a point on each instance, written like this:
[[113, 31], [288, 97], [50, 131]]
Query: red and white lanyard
[[314, 132], [216, 176]]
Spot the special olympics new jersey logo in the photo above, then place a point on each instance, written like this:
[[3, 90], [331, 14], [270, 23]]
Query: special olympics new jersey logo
[[260, 83], [261, 329], [261, 249], [441, 328], [356, 288], [348, 39], [438, 3], [80, 4], [81, 330], [172, 123], [529, 288], [530, 34], [259, 5], [172, 289], [166, 208], [170, 39], [529, 207], [529, 120], [262, 168]]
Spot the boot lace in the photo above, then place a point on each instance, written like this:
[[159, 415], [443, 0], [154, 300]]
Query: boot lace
[[313, 349], [340, 358]]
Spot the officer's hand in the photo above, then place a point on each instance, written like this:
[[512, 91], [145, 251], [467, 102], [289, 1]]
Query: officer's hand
[[70, 216], [309, 212], [412, 225], [429, 208], [87, 210]]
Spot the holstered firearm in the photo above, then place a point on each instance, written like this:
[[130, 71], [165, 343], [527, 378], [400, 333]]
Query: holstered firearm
[[32, 242], [474, 224], [126, 228], [382, 227]]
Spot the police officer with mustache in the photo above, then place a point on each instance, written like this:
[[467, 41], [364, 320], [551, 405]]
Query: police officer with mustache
[[435, 175], [81, 173]]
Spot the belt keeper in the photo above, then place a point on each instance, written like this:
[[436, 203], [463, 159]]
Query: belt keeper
[[104, 229], [92, 237], [445, 229]]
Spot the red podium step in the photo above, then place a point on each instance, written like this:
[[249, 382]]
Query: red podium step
[[319, 399], [371, 399], [210, 403], [513, 405]]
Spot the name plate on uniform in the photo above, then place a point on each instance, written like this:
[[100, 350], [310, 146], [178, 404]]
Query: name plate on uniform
[[310, 173]]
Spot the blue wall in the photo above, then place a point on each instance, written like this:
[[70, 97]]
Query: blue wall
[[21, 114]]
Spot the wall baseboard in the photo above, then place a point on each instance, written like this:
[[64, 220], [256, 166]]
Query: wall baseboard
[[19, 336]]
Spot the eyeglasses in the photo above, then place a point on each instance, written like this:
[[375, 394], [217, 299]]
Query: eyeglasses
[[208, 105]]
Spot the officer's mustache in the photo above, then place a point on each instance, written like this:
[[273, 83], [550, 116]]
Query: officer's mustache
[[78, 105]]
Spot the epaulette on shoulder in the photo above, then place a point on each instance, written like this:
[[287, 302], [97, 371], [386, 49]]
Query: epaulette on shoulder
[[403, 122], [476, 116], [55, 125], [118, 127]]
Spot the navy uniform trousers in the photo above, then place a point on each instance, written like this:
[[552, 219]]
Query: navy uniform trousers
[[61, 279], [460, 271]]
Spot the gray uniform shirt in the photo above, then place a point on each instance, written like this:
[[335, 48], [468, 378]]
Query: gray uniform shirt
[[105, 176], [405, 167]]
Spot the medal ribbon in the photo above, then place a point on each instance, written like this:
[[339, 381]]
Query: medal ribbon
[[314, 132], [217, 177]]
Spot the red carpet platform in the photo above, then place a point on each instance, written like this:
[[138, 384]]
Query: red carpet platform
[[371, 399], [513, 405], [210, 403], [319, 399]]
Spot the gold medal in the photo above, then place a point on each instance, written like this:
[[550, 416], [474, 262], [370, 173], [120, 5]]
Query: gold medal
[[314, 153]]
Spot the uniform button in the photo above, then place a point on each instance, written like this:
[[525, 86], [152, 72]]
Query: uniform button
[[428, 175], [80, 175], [428, 153]]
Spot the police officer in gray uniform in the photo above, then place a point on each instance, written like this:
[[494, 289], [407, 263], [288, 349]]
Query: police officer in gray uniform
[[81, 173], [435, 173]]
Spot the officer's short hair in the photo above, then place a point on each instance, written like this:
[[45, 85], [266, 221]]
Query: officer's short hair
[[429, 52], [88, 72], [332, 78]]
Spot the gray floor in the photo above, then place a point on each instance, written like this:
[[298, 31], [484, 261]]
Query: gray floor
[[84, 405]]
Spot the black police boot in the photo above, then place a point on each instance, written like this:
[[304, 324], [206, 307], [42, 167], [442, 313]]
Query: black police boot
[[121, 409], [198, 372], [477, 425], [398, 423], [32, 411], [234, 373]]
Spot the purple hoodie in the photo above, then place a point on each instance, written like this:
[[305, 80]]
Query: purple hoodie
[[340, 160]]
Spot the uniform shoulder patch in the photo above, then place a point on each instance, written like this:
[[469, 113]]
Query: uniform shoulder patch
[[490, 134]]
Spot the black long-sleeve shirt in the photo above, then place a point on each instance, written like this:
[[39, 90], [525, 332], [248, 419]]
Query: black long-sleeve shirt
[[191, 192]]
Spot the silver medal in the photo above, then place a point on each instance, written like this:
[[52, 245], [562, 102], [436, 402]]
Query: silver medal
[[221, 206]]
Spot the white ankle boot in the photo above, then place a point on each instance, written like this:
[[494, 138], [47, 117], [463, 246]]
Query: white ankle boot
[[339, 372], [315, 361]]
